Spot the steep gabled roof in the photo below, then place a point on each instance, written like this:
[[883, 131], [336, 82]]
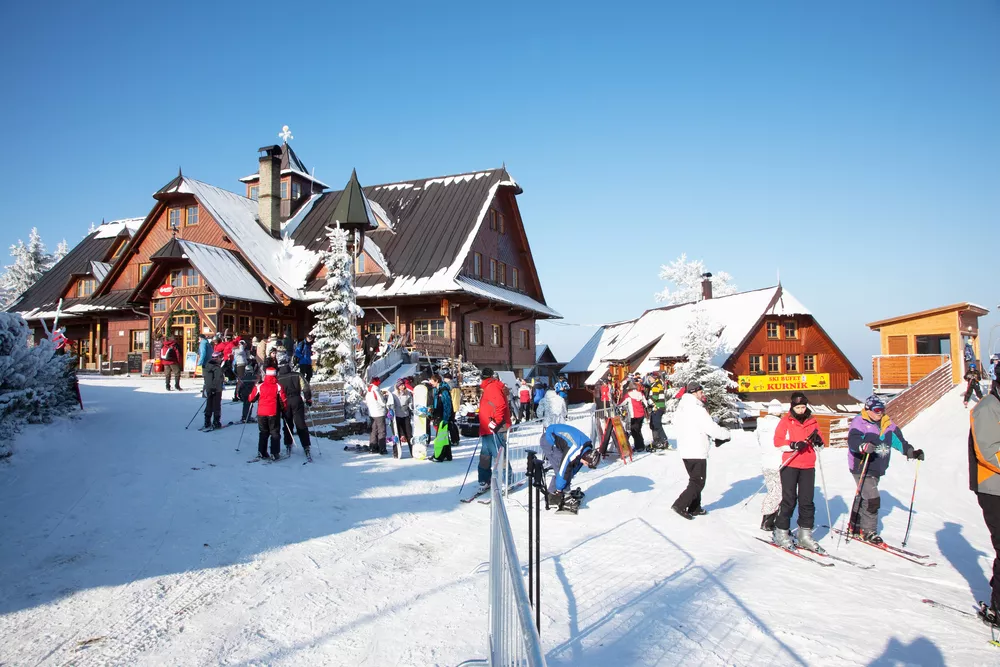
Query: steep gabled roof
[[589, 357], [224, 272], [290, 164]]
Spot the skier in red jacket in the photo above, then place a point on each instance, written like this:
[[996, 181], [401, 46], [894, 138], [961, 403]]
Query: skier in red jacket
[[272, 403], [798, 437], [494, 420]]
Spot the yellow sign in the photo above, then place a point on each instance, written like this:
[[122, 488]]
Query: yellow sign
[[804, 382]]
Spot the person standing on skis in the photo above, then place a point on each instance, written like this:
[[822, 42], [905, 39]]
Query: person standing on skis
[[566, 450], [271, 403], [494, 421], [695, 430], [214, 379], [770, 463], [870, 442], [972, 377], [797, 437], [657, 396], [984, 481], [298, 395]]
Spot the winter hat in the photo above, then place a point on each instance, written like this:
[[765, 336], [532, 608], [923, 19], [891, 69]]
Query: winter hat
[[255, 340], [282, 357], [798, 398], [487, 373], [217, 355], [694, 386], [774, 407], [271, 370], [376, 382], [874, 404]]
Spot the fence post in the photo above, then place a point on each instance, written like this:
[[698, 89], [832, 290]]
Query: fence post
[[909, 376], [878, 366]]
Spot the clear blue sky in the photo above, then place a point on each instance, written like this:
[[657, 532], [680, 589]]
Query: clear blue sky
[[854, 146]]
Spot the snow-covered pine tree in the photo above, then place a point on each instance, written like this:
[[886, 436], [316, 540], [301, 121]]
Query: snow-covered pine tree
[[701, 344], [686, 277], [61, 251], [30, 262], [336, 335]]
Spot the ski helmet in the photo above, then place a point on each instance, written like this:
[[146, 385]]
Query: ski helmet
[[592, 458]]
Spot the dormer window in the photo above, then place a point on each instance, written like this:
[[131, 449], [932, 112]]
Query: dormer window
[[174, 219], [192, 216], [284, 189], [254, 190], [85, 287], [296, 190], [118, 250]]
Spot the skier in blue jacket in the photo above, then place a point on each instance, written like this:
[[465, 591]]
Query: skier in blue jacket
[[304, 357], [537, 395], [562, 387], [566, 449]]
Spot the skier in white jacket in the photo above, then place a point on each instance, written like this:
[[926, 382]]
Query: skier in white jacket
[[376, 410], [695, 431], [552, 409], [770, 463]]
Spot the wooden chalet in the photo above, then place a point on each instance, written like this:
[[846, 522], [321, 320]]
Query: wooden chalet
[[772, 346], [446, 263]]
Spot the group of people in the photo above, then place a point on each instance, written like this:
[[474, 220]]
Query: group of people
[[638, 399]]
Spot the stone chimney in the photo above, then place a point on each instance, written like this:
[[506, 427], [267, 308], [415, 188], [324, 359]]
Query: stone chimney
[[706, 286], [269, 189]]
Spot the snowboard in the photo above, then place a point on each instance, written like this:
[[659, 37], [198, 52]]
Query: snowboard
[[624, 449], [421, 412], [391, 437]]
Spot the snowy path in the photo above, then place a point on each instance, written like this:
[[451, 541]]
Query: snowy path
[[127, 540]]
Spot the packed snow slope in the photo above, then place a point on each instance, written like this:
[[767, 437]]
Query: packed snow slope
[[127, 540]]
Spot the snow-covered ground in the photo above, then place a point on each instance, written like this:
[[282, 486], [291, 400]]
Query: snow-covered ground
[[128, 540]]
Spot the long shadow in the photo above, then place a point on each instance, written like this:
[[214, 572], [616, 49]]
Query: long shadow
[[964, 558], [608, 485], [921, 651], [143, 497], [737, 493]]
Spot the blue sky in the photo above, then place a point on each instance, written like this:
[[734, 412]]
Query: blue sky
[[854, 147]]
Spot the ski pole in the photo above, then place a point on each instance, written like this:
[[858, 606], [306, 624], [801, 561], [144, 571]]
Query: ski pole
[[244, 429], [202, 407], [822, 481], [474, 450], [857, 494], [780, 468], [912, 496]]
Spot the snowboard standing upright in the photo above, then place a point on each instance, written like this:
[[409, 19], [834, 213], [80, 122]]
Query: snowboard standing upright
[[390, 434], [420, 414]]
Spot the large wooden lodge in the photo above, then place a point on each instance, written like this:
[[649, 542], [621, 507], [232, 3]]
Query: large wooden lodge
[[446, 263]]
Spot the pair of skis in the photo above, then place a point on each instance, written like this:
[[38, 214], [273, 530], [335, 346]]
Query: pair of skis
[[815, 557], [919, 559], [214, 428], [980, 614]]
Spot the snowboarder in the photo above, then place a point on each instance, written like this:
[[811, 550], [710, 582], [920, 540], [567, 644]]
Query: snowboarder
[[443, 415], [552, 409], [984, 480], [797, 438], [297, 396], [695, 431], [524, 400], [562, 387], [635, 405], [658, 405], [171, 360], [271, 398], [870, 441], [212, 373], [456, 401], [566, 450], [245, 386], [376, 410], [303, 356], [494, 421], [770, 463], [972, 377]]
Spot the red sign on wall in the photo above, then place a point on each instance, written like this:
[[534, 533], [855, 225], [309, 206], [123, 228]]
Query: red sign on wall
[[166, 290]]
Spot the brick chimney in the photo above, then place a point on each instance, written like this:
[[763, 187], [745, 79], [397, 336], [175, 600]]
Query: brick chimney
[[706, 286], [269, 192]]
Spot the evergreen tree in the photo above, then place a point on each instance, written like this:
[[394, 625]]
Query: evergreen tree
[[30, 262], [686, 277], [336, 335], [701, 345], [61, 251]]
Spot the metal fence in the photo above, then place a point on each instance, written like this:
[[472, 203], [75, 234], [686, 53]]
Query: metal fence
[[526, 435], [513, 639]]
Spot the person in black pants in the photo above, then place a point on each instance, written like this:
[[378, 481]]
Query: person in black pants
[[213, 392], [297, 395], [972, 377], [984, 481], [270, 398], [696, 431]]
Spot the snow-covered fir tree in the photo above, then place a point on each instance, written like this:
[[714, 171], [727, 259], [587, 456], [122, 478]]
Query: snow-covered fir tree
[[30, 262], [61, 251], [686, 276], [701, 344], [336, 335]]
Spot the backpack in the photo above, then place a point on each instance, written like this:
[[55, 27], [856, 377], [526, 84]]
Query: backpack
[[165, 352]]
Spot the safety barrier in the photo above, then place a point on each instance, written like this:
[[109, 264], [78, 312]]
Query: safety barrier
[[524, 436]]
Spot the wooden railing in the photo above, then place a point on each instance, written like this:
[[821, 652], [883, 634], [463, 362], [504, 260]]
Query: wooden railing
[[899, 371], [438, 346], [904, 408]]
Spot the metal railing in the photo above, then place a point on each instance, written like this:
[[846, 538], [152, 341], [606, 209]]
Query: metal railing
[[900, 371], [513, 638], [524, 436]]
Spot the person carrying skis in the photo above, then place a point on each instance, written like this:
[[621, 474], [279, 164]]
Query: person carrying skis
[[377, 411], [271, 403], [562, 387], [695, 430], [524, 400], [797, 438], [566, 449], [635, 404], [214, 379], [984, 481], [494, 421], [770, 463], [171, 360], [972, 378], [870, 441], [303, 357], [244, 387], [298, 395]]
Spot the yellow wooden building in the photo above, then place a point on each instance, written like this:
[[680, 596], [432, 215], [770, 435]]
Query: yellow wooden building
[[914, 345]]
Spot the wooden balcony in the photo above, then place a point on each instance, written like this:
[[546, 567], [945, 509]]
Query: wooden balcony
[[901, 371], [435, 346]]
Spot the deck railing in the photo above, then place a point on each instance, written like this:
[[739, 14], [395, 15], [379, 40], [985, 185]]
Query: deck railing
[[900, 371]]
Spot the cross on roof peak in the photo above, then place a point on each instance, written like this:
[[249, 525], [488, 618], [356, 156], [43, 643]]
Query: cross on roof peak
[[285, 134]]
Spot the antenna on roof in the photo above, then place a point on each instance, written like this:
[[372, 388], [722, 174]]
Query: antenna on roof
[[179, 174]]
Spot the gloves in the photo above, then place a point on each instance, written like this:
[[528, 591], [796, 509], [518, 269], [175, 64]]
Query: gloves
[[816, 440], [493, 425], [866, 448], [719, 443], [917, 454]]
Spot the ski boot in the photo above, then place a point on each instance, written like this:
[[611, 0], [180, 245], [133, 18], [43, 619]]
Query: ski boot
[[309, 457], [806, 541], [217, 425], [872, 538], [576, 493], [989, 615], [682, 512], [699, 511], [782, 538], [288, 451], [570, 505]]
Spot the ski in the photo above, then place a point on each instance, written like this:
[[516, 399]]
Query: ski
[[513, 487], [475, 495], [795, 552], [942, 605], [824, 554], [898, 553], [215, 428], [888, 546]]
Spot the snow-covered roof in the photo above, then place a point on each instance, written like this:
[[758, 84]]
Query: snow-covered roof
[[110, 230], [289, 226], [504, 295], [589, 357], [596, 375], [376, 255], [99, 270], [224, 272]]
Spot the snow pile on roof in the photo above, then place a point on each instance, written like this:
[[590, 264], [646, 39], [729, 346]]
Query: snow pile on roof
[[376, 255], [460, 178], [503, 295], [381, 215], [110, 230], [224, 272], [289, 226]]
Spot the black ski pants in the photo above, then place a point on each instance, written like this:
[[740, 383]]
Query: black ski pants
[[635, 426], [690, 498], [296, 417], [213, 408], [656, 425], [376, 437], [973, 387], [797, 486], [991, 514], [269, 427]]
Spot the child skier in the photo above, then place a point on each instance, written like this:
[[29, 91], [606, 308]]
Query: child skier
[[245, 386], [797, 436], [870, 442], [566, 450], [298, 395], [770, 463], [214, 380], [272, 403]]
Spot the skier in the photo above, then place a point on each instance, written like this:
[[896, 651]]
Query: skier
[[212, 373], [984, 480], [404, 424], [870, 441], [566, 449], [298, 395], [562, 387], [494, 421], [376, 410], [770, 463], [524, 400], [797, 438], [972, 378], [695, 430], [552, 409], [635, 403], [537, 394], [303, 356], [443, 414], [239, 364], [658, 403], [171, 360], [245, 386], [271, 398]]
